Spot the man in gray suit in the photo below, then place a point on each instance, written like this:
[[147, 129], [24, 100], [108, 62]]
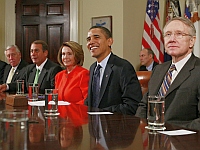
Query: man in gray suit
[[182, 99], [120, 89], [13, 56], [47, 69]]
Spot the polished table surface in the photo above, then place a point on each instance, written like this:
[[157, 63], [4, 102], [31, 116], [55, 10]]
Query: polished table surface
[[75, 129]]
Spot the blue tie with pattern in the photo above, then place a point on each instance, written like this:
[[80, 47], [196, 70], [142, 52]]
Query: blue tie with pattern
[[167, 81], [96, 86]]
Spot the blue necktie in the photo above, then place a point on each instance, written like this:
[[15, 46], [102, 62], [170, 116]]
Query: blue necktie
[[167, 81], [96, 86]]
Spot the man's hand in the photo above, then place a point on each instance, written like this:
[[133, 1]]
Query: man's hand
[[3, 87]]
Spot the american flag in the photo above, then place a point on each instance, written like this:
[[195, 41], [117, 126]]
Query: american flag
[[191, 12], [152, 35]]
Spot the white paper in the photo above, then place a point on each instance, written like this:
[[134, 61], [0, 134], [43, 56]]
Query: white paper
[[37, 103], [99, 113], [42, 103], [177, 132], [63, 103]]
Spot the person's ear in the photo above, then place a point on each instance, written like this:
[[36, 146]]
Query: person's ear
[[110, 41]]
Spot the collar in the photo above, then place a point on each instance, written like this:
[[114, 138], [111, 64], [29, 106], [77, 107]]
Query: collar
[[150, 67], [103, 63], [179, 65], [42, 65]]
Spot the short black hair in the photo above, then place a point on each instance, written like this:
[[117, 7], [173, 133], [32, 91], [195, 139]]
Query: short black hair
[[106, 32]]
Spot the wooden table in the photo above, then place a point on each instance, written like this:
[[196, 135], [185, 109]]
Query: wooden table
[[75, 129]]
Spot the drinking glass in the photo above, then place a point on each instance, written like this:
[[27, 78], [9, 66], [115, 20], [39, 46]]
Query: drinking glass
[[20, 87], [51, 102], [155, 113], [33, 90], [13, 129]]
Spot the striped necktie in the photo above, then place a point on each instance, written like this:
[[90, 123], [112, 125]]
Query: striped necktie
[[10, 76], [167, 81], [36, 76], [96, 86]]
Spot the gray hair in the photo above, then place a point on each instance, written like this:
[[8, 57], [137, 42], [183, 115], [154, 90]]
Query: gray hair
[[13, 46], [186, 21]]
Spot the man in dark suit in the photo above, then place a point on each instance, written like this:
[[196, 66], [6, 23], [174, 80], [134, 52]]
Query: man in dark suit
[[2, 67], [13, 56], [147, 60], [47, 69], [120, 89], [182, 100]]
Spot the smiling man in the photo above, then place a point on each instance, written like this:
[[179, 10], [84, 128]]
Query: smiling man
[[45, 67], [113, 86], [182, 98]]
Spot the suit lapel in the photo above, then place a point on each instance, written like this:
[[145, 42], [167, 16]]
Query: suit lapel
[[32, 75], [153, 90], [106, 76], [183, 74], [105, 79], [42, 74], [15, 75], [6, 73]]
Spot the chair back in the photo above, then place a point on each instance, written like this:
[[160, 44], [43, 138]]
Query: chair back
[[144, 77]]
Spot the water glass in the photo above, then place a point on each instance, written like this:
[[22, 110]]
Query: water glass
[[33, 90], [155, 113], [13, 129], [20, 87], [51, 102]]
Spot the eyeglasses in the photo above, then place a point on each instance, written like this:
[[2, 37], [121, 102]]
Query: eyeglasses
[[177, 35]]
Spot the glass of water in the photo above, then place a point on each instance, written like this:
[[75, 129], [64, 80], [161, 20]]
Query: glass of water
[[51, 102], [155, 113], [13, 129]]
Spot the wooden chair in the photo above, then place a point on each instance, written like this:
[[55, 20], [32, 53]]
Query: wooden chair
[[144, 77]]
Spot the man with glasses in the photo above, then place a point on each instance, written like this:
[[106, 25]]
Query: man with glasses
[[15, 66], [178, 79]]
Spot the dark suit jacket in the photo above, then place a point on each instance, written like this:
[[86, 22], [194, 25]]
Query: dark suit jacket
[[182, 100], [46, 79], [2, 67], [16, 76], [120, 88], [143, 68]]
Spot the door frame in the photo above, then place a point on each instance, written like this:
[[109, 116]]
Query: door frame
[[10, 28]]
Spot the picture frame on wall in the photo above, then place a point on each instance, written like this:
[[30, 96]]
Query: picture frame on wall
[[105, 21]]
